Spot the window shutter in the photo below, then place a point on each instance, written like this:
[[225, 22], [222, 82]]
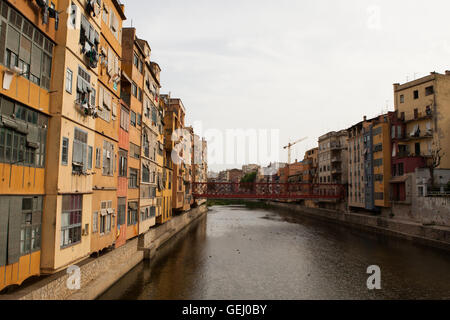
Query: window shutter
[[114, 109], [36, 58], [4, 203], [14, 226], [12, 40], [116, 64], [100, 98], [25, 50], [110, 61]]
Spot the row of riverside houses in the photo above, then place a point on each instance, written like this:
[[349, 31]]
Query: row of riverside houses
[[396, 164], [86, 142]]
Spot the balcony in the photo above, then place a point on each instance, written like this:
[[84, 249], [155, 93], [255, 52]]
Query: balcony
[[336, 159], [336, 146], [336, 170]]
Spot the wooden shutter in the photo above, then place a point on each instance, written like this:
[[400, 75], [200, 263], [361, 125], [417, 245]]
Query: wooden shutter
[[100, 97], [36, 59], [110, 61], [114, 109], [12, 40], [14, 226], [2, 41], [4, 203]]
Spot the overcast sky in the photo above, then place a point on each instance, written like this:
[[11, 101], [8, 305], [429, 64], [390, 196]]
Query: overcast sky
[[303, 67]]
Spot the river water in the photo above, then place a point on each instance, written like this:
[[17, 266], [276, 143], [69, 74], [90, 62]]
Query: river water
[[243, 253]]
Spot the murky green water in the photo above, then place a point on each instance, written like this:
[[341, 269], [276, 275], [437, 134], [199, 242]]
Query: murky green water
[[241, 253]]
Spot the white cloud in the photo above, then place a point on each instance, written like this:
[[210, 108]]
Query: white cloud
[[305, 67]]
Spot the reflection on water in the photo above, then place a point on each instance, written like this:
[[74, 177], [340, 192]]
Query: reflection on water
[[241, 253]]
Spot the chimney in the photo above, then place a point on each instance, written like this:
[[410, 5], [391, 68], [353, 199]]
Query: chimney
[[365, 118]]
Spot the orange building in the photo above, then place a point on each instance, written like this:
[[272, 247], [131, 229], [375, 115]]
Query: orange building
[[133, 58], [27, 41]]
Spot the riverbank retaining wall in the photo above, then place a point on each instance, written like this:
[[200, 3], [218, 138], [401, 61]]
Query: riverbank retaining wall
[[434, 236], [98, 274]]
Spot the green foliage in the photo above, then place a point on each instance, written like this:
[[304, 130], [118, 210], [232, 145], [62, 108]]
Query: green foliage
[[249, 178]]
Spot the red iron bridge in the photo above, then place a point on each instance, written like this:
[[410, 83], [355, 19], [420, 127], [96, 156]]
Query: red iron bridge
[[285, 191]]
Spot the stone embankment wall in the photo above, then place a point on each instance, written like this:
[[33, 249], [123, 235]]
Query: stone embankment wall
[[98, 274], [430, 235]]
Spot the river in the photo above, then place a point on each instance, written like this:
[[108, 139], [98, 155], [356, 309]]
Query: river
[[236, 252]]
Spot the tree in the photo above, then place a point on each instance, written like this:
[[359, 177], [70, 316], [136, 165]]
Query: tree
[[249, 178]]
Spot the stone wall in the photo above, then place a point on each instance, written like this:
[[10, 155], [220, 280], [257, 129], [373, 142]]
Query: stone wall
[[417, 232], [98, 274]]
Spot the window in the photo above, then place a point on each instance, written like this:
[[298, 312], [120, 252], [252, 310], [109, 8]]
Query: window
[[95, 222], [401, 169], [416, 94], [379, 196], [71, 220], [105, 14], [123, 159], [136, 60], [98, 153], [417, 149], [23, 135], [378, 147], [135, 151], [108, 158], [106, 217], [30, 233], [69, 80], [139, 96], [133, 180], [429, 91], [377, 162], [132, 213], [124, 119], [133, 118], [90, 151], [85, 92], [65, 152], [139, 119], [145, 173], [402, 98], [134, 89], [122, 209], [79, 155], [25, 47]]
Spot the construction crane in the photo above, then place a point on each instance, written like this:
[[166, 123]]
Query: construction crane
[[290, 145]]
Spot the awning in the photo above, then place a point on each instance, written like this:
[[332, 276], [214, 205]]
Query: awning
[[400, 179], [133, 205], [103, 212], [9, 122]]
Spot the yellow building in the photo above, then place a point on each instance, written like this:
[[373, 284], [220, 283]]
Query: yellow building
[[174, 116], [105, 180], [424, 106], [167, 171], [382, 149], [27, 42], [67, 224]]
